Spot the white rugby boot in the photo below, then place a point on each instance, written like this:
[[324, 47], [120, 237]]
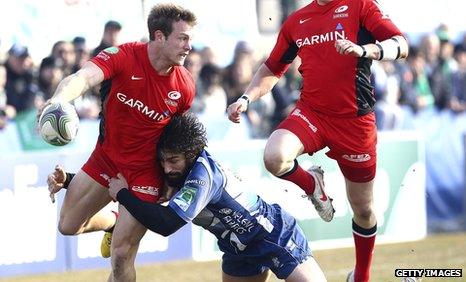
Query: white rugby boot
[[321, 202]]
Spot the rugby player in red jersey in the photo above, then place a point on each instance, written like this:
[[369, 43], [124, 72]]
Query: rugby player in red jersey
[[336, 41], [143, 86]]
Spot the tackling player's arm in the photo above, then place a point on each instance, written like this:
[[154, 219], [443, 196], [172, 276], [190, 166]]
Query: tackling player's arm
[[155, 217]]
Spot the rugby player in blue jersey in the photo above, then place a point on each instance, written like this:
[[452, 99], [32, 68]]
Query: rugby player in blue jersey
[[254, 236]]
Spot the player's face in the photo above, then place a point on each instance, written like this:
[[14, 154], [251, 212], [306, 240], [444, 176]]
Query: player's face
[[174, 168], [178, 43]]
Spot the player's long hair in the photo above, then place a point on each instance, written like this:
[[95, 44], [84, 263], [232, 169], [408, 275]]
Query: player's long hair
[[184, 134], [162, 16]]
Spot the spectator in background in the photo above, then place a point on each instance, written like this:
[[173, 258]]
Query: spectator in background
[[63, 53], [6, 111], [458, 99], [239, 72], [389, 114], [212, 95], [50, 74], [430, 50], [20, 90], [110, 36], [193, 64], [441, 77], [423, 94], [81, 52], [208, 56]]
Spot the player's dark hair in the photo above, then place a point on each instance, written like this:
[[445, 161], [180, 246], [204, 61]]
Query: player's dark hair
[[184, 134], [162, 16]]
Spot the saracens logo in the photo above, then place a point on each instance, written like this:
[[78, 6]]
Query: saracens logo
[[174, 95], [341, 9], [339, 12]]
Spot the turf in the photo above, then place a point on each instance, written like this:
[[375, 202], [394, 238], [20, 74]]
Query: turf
[[439, 251]]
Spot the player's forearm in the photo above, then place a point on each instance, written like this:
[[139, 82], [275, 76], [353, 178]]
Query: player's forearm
[[71, 87], [155, 217], [262, 83], [391, 49], [76, 84]]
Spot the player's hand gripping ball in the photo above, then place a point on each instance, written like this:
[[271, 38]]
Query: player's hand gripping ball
[[58, 124]]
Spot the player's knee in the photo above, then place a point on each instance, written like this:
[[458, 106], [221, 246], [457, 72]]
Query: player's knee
[[274, 161], [363, 212], [65, 227]]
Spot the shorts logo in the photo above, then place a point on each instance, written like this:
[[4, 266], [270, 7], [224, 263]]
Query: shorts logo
[[185, 197], [174, 95], [150, 190], [298, 113], [357, 158]]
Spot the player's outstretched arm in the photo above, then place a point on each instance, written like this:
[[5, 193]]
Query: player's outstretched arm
[[75, 84], [155, 217], [393, 48]]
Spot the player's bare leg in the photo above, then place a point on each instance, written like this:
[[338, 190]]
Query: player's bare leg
[[282, 148], [80, 212], [127, 234], [360, 196], [308, 271], [256, 278], [281, 151]]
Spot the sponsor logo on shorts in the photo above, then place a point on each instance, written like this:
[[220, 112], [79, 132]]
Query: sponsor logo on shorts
[[298, 113], [357, 158], [150, 190]]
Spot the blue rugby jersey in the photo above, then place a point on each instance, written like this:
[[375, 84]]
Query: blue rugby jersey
[[217, 200]]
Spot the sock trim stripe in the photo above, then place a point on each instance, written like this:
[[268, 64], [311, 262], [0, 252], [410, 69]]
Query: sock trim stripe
[[293, 169], [366, 232], [363, 235]]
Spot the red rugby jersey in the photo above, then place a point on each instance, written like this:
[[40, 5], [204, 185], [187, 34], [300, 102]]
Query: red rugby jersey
[[333, 84], [138, 103]]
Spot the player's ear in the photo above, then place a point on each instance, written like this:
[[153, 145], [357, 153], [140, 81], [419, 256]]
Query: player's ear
[[159, 36]]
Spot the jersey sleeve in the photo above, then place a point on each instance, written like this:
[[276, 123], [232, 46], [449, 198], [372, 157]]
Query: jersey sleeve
[[190, 97], [283, 53], [110, 60], [376, 21], [195, 194]]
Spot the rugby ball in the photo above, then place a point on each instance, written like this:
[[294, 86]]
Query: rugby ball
[[58, 124]]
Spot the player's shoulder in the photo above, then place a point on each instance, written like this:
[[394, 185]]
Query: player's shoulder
[[184, 72]]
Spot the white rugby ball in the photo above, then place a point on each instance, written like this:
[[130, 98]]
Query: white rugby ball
[[58, 124]]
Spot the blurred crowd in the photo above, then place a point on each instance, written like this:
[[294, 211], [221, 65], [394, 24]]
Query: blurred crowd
[[432, 77]]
